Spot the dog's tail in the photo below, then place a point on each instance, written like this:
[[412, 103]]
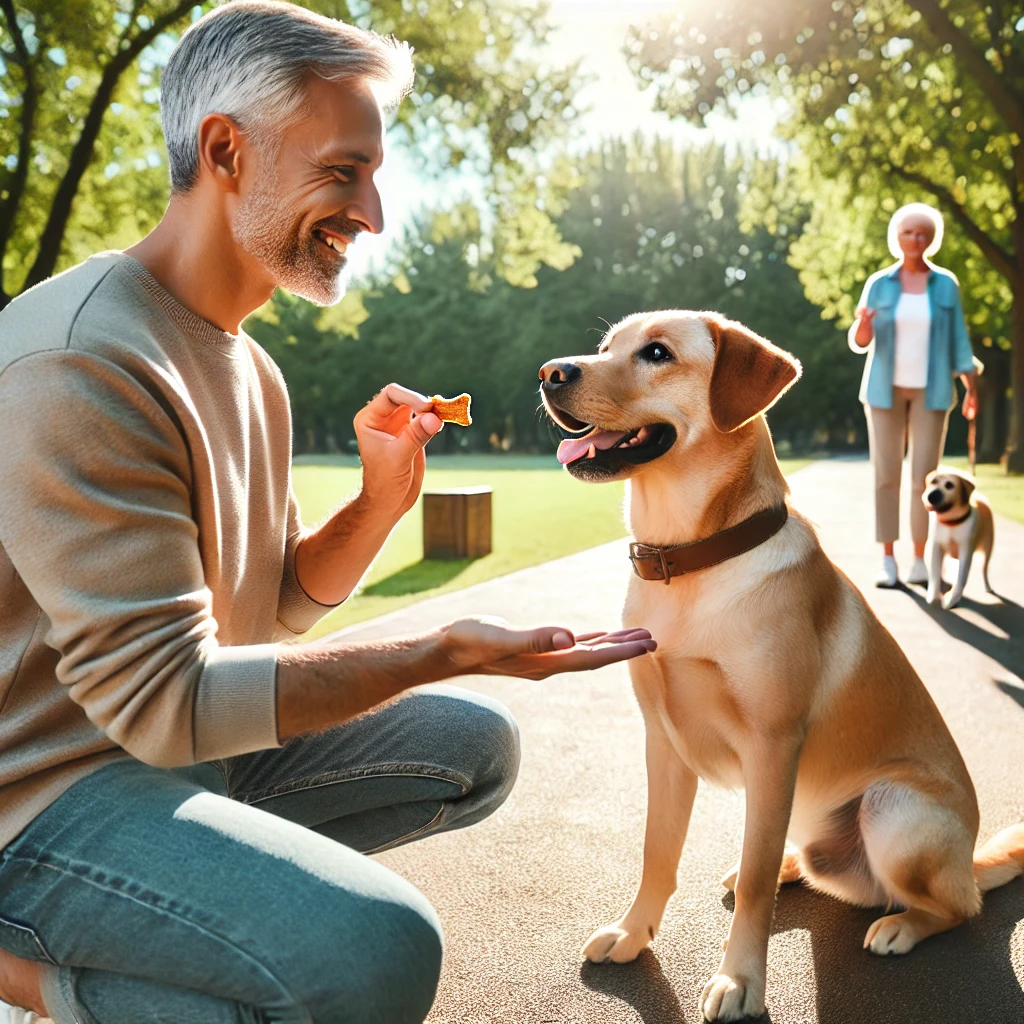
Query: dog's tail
[[1001, 859]]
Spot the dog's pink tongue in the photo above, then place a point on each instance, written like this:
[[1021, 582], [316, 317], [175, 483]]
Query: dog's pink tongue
[[573, 448]]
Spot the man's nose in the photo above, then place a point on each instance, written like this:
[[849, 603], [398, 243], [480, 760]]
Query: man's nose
[[558, 373], [367, 211]]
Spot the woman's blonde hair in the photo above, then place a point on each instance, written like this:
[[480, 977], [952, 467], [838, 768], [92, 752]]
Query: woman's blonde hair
[[915, 209]]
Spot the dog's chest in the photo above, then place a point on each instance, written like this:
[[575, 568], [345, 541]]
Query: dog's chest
[[954, 539], [700, 716], [684, 690]]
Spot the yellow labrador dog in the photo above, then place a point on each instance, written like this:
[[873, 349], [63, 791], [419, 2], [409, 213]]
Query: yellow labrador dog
[[772, 673], [960, 523]]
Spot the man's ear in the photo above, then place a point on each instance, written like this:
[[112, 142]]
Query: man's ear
[[748, 376]]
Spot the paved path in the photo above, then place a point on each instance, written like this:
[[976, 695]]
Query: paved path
[[519, 893]]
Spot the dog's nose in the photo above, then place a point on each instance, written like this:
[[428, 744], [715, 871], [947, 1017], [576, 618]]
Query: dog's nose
[[934, 497], [558, 373]]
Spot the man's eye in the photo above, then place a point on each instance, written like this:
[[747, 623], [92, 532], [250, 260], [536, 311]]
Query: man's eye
[[655, 353], [347, 173]]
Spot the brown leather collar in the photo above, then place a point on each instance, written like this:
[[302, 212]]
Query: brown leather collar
[[651, 562], [956, 522]]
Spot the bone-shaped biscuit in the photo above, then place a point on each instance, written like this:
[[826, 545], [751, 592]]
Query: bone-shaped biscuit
[[452, 410]]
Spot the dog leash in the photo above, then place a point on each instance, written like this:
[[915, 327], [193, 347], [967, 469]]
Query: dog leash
[[651, 562]]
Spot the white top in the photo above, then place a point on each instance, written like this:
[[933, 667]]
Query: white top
[[913, 327]]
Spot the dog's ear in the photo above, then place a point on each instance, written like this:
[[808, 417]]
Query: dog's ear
[[749, 374], [967, 486]]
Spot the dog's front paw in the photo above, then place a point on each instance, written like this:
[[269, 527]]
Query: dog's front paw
[[933, 595], [619, 942], [952, 600], [731, 997]]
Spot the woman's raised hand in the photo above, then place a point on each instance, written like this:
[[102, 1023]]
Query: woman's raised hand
[[865, 326]]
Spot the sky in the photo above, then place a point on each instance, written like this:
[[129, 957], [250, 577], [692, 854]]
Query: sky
[[611, 104]]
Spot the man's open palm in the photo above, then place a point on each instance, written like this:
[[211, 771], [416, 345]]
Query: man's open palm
[[490, 647]]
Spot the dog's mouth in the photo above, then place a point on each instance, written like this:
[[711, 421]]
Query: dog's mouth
[[594, 453], [938, 502], [591, 452]]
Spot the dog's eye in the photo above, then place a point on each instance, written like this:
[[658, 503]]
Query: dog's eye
[[948, 485], [655, 353]]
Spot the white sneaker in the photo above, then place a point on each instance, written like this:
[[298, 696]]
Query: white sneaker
[[918, 573], [888, 577]]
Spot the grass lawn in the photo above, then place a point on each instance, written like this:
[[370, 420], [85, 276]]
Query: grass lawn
[[1005, 493], [539, 513]]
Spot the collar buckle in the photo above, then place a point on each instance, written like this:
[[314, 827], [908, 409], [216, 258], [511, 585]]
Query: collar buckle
[[642, 552]]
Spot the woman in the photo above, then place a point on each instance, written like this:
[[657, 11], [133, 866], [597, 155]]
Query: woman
[[911, 324]]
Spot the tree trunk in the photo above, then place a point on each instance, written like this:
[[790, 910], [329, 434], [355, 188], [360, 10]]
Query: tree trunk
[[1015, 444], [993, 424]]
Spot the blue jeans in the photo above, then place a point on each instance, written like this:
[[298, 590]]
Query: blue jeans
[[238, 891]]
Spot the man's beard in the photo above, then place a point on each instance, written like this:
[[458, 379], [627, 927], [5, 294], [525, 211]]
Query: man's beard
[[270, 232]]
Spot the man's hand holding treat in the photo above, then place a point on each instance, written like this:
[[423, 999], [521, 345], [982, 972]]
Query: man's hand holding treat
[[392, 430]]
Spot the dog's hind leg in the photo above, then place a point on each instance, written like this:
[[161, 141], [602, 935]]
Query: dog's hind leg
[[986, 550], [921, 852], [791, 870], [934, 574], [900, 933], [671, 787]]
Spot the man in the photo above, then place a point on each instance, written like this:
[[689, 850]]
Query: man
[[184, 803]]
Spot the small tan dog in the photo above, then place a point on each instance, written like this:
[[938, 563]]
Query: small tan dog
[[772, 673], [960, 524]]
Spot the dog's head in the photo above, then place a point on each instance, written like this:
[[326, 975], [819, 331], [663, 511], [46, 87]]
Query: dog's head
[[947, 490], [660, 382]]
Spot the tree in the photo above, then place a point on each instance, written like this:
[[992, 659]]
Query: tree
[[82, 161], [900, 98]]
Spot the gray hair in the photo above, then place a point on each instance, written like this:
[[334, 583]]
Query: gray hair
[[248, 59], [915, 210]]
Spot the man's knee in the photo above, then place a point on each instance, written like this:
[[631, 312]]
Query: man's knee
[[490, 736], [402, 964], [390, 972]]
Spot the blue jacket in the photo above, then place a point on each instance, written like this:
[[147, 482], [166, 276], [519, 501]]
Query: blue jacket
[[949, 347]]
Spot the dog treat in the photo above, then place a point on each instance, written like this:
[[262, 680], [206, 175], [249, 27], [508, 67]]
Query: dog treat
[[452, 410]]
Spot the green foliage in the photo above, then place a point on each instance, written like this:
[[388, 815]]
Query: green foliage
[[656, 228], [69, 46]]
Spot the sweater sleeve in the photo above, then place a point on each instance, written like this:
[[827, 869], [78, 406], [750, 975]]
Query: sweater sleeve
[[296, 610], [864, 295], [95, 516]]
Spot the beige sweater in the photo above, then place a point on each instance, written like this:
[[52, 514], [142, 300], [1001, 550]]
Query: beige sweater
[[147, 534]]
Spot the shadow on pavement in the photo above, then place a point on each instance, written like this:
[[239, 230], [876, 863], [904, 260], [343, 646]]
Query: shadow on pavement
[[641, 983], [1016, 692], [1007, 617], [962, 975]]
